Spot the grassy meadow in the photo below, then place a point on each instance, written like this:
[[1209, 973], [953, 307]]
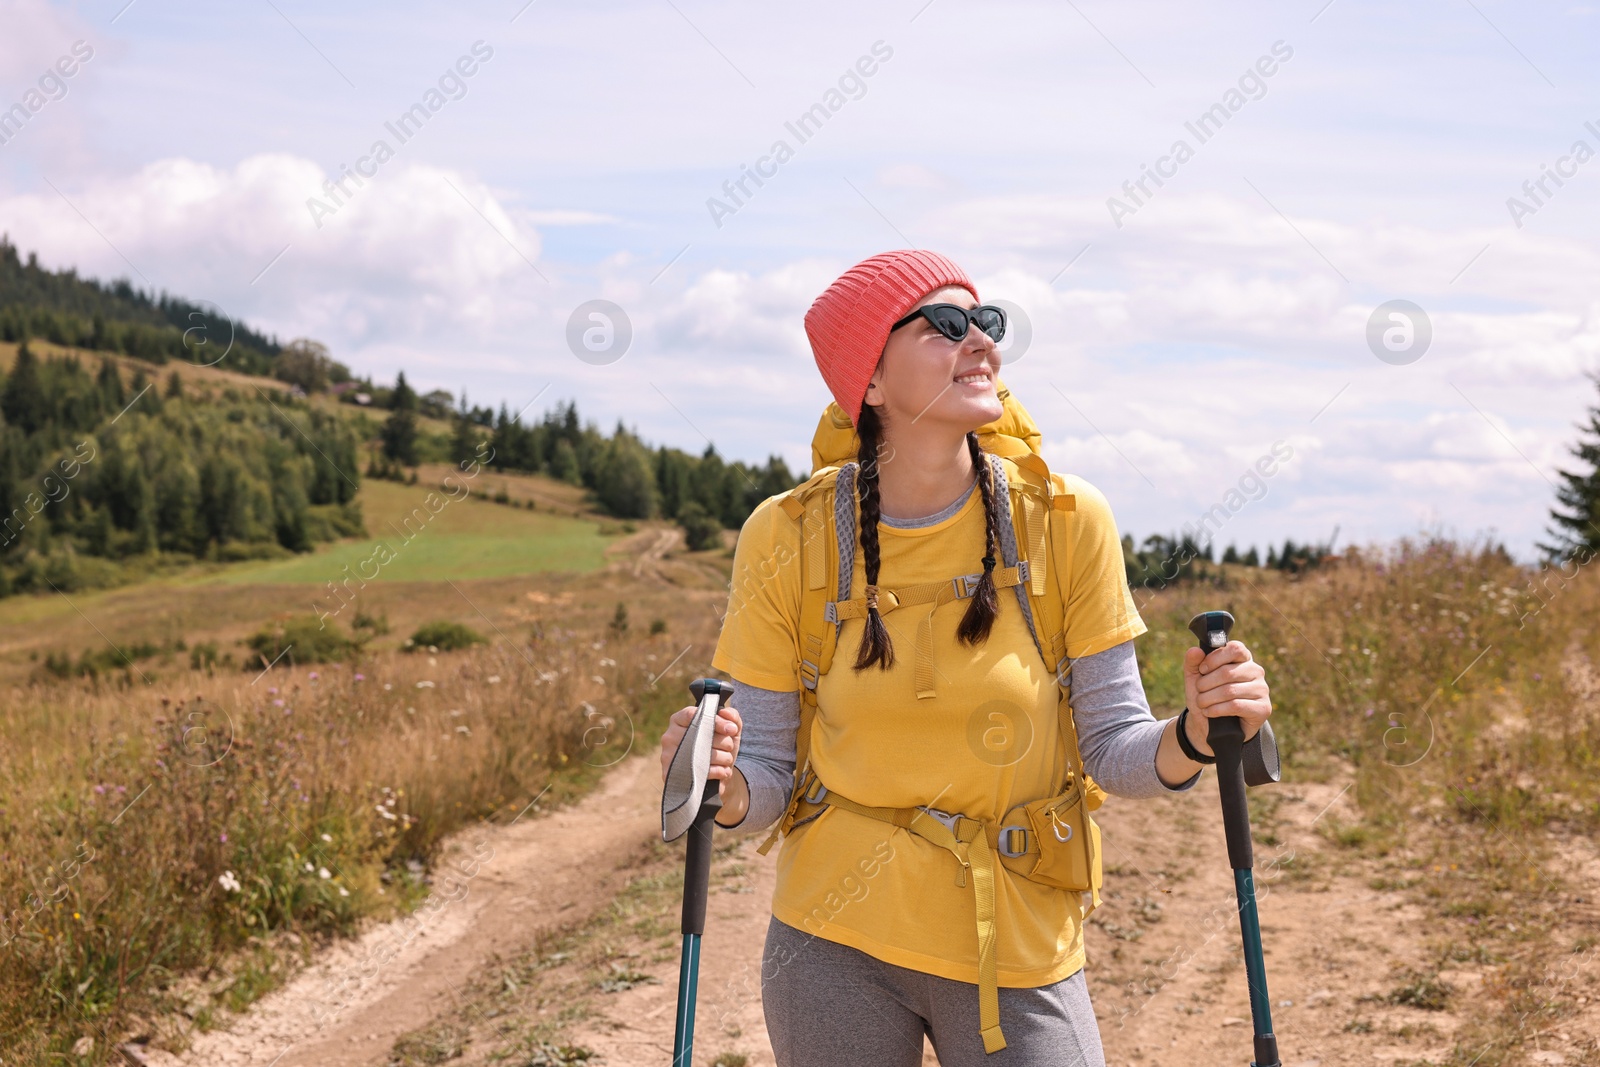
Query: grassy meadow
[[168, 814]]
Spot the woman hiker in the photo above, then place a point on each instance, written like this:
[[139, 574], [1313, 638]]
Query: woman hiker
[[891, 955]]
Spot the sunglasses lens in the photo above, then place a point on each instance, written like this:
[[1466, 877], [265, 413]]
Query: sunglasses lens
[[992, 321], [951, 321]]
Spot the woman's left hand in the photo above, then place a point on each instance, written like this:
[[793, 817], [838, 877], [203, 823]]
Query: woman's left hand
[[1226, 681]]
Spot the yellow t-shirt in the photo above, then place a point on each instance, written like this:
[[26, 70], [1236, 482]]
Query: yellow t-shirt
[[988, 740]]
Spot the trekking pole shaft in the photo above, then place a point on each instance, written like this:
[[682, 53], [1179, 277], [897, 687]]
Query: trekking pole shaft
[[1255, 969], [688, 978]]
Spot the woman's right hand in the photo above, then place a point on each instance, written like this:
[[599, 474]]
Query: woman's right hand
[[724, 750]]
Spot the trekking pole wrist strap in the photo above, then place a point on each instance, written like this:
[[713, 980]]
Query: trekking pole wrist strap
[[1186, 745]]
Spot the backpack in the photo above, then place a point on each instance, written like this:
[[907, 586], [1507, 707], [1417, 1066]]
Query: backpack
[[1036, 560], [1041, 504]]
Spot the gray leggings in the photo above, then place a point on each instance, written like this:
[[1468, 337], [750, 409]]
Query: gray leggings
[[830, 1005]]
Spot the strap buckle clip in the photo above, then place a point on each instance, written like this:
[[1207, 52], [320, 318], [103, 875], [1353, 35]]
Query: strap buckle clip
[[965, 585], [949, 818], [1007, 835], [815, 787]]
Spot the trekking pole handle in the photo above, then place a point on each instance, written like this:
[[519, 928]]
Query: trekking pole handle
[[709, 694], [1225, 735]]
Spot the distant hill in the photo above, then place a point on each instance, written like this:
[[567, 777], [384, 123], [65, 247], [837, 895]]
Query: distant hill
[[60, 307]]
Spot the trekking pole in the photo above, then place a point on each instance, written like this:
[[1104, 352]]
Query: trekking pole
[[690, 801], [1226, 738]]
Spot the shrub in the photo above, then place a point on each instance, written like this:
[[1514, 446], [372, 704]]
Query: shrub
[[700, 528], [298, 639], [444, 636]]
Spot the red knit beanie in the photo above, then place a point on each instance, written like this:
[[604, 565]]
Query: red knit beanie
[[849, 323]]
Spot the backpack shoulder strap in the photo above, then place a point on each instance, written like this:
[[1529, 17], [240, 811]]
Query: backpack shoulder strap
[[814, 504]]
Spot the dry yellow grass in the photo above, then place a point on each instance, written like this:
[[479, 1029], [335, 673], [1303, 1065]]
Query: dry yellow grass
[[149, 830]]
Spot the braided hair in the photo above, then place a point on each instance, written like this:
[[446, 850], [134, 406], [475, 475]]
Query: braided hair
[[975, 625]]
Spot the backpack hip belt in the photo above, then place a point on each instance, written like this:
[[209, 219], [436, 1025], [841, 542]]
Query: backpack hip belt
[[1051, 840]]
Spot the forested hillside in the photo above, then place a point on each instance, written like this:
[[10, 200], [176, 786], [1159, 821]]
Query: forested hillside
[[95, 470], [65, 309]]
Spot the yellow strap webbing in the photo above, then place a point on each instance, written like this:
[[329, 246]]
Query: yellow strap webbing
[[935, 593], [970, 846]]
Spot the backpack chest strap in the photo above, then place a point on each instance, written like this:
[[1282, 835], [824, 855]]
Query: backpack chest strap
[[960, 587]]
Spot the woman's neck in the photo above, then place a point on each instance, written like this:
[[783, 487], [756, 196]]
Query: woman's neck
[[921, 478]]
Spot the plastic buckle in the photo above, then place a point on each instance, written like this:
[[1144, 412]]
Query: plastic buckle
[[808, 674], [1004, 838], [946, 817], [965, 584], [816, 784]]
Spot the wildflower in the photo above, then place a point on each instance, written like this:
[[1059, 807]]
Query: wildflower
[[272, 689], [224, 837], [229, 882], [598, 679], [277, 703], [327, 838], [424, 684], [322, 872], [100, 789], [386, 685], [494, 679], [606, 661], [343, 892], [312, 675], [360, 677], [309, 867]]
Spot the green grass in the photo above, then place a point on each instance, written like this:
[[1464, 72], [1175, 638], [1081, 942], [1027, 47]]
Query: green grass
[[464, 539]]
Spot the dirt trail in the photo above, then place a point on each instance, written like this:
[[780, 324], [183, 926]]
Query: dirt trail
[[1165, 968], [542, 871]]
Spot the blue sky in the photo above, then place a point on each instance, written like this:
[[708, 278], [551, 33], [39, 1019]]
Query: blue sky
[[1227, 312]]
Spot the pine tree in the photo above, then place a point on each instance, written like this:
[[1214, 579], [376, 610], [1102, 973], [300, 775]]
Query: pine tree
[[23, 401], [400, 437], [1577, 519], [110, 383], [464, 445], [404, 398]]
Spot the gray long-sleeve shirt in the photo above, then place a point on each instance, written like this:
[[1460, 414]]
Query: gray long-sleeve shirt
[[1117, 734]]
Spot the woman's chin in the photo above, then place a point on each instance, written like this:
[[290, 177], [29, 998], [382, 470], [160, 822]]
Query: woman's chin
[[985, 409]]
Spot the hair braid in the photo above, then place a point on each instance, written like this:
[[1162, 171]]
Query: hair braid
[[979, 619], [875, 644]]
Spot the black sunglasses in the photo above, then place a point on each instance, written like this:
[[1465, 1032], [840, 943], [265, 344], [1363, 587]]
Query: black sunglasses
[[953, 320]]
